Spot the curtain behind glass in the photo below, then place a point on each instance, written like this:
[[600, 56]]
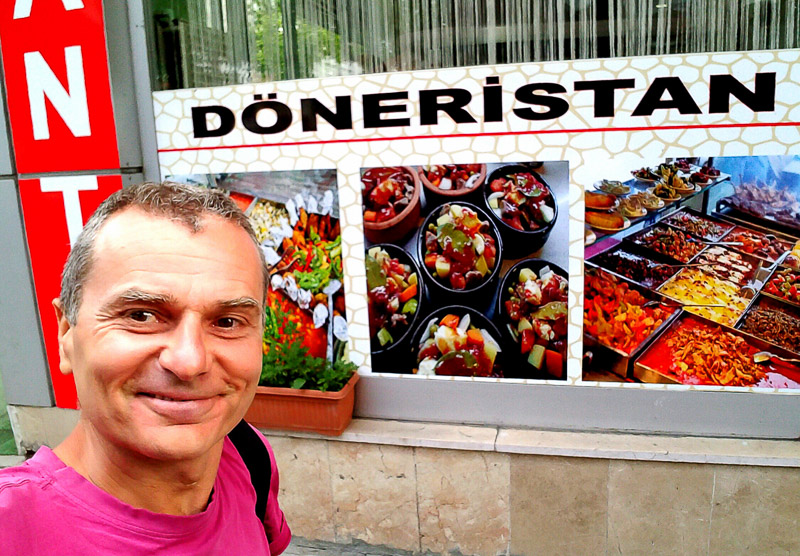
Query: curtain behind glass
[[216, 42]]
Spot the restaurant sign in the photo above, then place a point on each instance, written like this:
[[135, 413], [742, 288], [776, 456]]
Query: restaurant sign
[[625, 222]]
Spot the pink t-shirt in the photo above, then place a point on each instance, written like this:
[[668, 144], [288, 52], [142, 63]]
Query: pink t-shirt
[[48, 508]]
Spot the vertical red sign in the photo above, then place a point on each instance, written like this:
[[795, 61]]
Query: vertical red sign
[[57, 83], [55, 210]]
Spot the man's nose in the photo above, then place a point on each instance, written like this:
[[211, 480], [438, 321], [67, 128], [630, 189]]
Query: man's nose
[[185, 352]]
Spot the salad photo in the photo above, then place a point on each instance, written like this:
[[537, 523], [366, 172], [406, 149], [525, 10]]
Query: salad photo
[[386, 192], [453, 177], [434, 296]]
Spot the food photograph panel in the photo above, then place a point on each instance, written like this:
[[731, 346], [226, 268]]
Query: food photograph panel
[[295, 216], [466, 269], [692, 272]]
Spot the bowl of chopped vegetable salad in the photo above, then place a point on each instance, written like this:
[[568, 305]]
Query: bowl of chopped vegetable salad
[[394, 302], [523, 206], [532, 304], [461, 255], [457, 341], [391, 203], [444, 183]]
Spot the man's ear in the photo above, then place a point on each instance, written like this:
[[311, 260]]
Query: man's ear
[[64, 339]]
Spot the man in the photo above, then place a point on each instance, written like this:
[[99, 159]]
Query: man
[[160, 322]]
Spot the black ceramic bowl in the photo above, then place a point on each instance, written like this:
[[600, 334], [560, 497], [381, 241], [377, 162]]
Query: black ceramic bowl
[[394, 357], [477, 319], [519, 243], [517, 363], [440, 291]]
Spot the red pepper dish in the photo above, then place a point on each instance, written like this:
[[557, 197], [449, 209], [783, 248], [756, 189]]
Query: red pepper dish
[[385, 192], [460, 253], [615, 314], [670, 242], [521, 201]]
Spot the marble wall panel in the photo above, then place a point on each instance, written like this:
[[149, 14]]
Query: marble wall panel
[[756, 510], [558, 505], [374, 494], [659, 508], [305, 494], [463, 501]]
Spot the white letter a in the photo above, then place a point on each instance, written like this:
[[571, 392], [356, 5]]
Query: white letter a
[[71, 106], [22, 8]]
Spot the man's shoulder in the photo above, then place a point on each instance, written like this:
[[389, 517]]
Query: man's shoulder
[[22, 479]]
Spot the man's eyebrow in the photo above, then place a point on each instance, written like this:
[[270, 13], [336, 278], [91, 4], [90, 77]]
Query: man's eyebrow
[[241, 303], [138, 296]]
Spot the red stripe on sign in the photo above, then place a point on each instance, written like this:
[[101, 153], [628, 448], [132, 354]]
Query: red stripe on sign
[[487, 134], [47, 223]]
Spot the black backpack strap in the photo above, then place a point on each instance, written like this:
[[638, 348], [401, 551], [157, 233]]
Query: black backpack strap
[[256, 457]]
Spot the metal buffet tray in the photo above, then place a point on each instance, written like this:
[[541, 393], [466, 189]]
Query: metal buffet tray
[[756, 263], [779, 268], [650, 375], [750, 292], [761, 230], [638, 251], [614, 360], [730, 226], [767, 301], [631, 239]]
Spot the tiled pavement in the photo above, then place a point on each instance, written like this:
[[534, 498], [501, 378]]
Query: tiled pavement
[[303, 547]]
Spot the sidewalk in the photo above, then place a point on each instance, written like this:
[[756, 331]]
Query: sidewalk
[[303, 547]]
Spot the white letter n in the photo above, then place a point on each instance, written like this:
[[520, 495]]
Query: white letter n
[[22, 8], [71, 106]]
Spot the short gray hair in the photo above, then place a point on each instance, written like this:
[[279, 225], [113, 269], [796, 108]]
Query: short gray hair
[[183, 204]]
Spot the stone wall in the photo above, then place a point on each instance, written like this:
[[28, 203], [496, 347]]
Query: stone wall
[[445, 501]]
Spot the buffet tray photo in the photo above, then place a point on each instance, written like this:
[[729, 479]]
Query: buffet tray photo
[[654, 363], [634, 251]]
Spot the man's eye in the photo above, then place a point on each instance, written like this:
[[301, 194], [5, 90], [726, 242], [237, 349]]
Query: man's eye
[[142, 316], [227, 322]]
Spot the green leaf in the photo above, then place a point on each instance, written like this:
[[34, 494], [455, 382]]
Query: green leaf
[[375, 275], [550, 311], [469, 359], [298, 383], [458, 238]]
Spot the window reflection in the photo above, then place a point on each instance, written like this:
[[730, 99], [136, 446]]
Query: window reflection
[[215, 42]]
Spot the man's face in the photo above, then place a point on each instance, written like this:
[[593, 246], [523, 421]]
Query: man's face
[[166, 349]]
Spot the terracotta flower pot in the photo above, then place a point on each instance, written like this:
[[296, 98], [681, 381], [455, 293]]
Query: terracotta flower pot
[[303, 410], [435, 196], [399, 227]]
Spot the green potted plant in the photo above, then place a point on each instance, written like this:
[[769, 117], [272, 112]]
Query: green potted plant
[[297, 390]]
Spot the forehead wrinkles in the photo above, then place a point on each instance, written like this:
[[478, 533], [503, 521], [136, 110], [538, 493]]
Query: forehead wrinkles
[[133, 235]]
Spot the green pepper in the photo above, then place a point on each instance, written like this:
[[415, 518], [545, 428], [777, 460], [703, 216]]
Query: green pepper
[[384, 337], [410, 306]]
